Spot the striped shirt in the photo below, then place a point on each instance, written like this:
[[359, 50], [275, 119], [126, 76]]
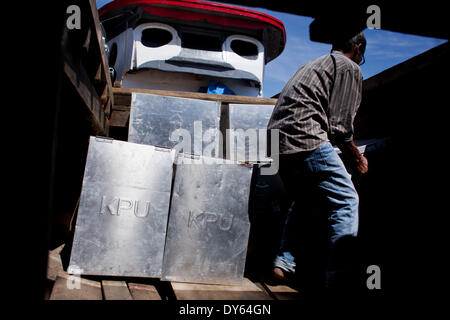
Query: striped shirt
[[318, 104]]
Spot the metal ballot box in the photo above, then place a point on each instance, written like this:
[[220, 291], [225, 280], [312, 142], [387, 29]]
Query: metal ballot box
[[181, 123], [248, 132], [208, 230], [123, 210]]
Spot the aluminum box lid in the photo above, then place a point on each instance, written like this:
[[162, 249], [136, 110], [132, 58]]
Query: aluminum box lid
[[208, 230], [123, 210]]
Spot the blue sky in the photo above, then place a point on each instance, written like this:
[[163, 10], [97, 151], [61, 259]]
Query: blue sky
[[384, 49]]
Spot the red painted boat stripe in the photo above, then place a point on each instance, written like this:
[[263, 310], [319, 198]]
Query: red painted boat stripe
[[207, 6]]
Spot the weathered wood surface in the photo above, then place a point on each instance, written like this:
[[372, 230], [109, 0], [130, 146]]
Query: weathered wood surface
[[192, 291], [85, 65], [103, 76], [85, 89], [54, 264], [69, 288], [143, 292], [119, 116], [65, 287], [116, 290], [281, 292]]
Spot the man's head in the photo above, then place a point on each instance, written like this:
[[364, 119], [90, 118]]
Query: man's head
[[353, 48]]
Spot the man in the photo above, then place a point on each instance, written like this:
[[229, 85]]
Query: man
[[315, 110]]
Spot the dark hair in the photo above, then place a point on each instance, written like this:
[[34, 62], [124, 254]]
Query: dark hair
[[348, 44]]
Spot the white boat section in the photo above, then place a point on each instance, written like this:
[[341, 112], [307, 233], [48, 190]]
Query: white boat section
[[154, 56]]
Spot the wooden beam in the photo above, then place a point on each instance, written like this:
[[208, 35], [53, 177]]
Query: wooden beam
[[88, 95], [79, 78], [122, 99], [198, 95], [103, 60]]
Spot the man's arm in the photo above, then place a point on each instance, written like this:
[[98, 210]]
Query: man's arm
[[352, 154], [343, 107]]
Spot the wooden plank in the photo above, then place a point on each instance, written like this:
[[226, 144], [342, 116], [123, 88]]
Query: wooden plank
[[95, 92], [119, 118], [116, 290], [54, 266], [123, 99], [121, 108], [192, 291], [65, 289], [87, 40], [88, 95], [281, 292], [201, 96], [101, 86], [103, 60], [58, 249], [143, 292]]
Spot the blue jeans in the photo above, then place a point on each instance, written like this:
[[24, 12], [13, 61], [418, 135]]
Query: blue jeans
[[323, 173]]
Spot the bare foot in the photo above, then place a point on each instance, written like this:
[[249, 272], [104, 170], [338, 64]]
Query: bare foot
[[279, 274]]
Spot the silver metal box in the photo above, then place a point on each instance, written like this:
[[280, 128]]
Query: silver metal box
[[248, 132], [180, 123], [208, 230], [123, 210]]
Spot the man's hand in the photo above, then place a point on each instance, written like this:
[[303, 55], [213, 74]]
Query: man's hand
[[361, 165], [352, 154]]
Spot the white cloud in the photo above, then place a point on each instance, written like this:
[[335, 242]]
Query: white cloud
[[386, 49]]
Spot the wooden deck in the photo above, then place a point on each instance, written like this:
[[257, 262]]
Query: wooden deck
[[62, 286]]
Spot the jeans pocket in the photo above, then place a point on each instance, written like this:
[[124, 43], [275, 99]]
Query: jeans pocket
[[328, 157], [323, 154]]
